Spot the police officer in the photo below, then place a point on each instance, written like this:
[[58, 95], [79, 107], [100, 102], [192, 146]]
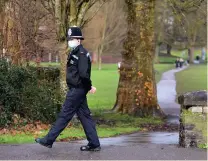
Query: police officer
[[79, 83]]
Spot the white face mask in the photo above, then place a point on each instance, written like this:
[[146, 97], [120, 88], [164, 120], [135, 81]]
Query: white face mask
[[73, 43]]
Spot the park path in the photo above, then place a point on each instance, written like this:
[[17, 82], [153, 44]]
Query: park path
[[166, 94], [142, 146]]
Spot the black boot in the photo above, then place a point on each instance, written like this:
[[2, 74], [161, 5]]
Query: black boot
[[42, 142], [89, 148]]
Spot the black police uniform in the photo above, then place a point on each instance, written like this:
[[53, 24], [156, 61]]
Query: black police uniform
[[79, 69], [79, 83]]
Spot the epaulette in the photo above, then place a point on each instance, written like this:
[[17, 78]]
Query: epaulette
[[85, 53]]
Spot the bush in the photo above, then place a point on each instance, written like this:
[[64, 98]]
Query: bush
[[27, 93], [51, 74]]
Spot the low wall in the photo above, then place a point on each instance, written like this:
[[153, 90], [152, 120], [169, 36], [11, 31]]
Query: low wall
[[193, 119]]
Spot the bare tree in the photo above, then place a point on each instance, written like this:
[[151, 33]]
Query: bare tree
[[113, 31], [160, 11], [190, 17], [21, 29], [68, 13], [2, 20]]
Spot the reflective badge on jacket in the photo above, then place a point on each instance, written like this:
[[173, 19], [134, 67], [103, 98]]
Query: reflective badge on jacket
[[71, 62], [76, 57]]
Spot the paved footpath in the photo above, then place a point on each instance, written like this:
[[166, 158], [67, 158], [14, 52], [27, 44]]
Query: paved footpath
[[70, 151], [166, 94], [139, 146]]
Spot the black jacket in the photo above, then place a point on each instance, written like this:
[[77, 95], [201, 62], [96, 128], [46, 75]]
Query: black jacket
[[79, 69]]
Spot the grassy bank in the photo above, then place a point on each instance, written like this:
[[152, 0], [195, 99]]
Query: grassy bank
[[200, 125], [192, 79], [108, 125], [68, 134]]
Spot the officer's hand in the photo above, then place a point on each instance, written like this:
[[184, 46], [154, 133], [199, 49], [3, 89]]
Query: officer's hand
[[93, 90]]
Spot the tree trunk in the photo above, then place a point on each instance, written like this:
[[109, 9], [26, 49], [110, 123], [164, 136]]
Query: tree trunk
[[62, 46], [191, 46], [99, 61], [58, 18], [136, 94], [203, 53], [1, 33], [101, 45], [63, 54], [157, 51], [49, 57], [14, 38], [169, 47], [99, 56], [191, 54], [100, 51]]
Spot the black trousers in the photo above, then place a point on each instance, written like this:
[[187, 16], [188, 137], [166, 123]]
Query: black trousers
[[76, 102]]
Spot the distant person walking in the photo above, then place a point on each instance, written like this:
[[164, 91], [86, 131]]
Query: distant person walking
[[181, 61], [177, 63], [203, 54]]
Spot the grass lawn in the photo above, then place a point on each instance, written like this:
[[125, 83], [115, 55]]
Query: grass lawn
[[121, 124], [192, 78], [68, 134], [167, 59], [198, 120], [177, 53], [106, 82], [45, 64]]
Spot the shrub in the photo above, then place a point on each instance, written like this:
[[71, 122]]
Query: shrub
[[27, 93]]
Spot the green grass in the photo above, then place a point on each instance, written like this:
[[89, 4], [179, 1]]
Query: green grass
[[123, 124], [167, 59], [163, 58], [16, 139], [46, 64], [203, 146], [192, 79], [53, 64], [106, 82], [178, 53], [198, 120], [71, 133]]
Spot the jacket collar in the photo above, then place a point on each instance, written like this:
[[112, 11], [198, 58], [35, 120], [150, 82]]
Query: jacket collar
[[75, 50]]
